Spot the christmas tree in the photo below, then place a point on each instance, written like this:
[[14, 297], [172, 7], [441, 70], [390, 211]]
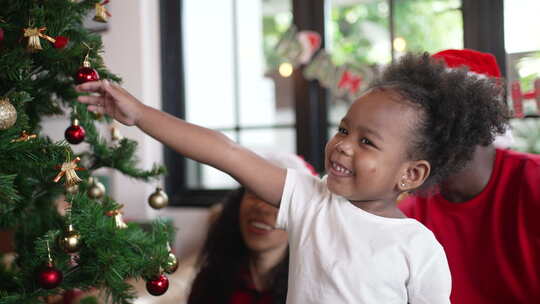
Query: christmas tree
[[44, 51]]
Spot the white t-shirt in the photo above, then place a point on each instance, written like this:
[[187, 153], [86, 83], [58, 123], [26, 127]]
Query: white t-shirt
[[340, 253]]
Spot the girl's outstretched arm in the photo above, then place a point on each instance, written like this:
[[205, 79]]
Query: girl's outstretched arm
[[198, 143]]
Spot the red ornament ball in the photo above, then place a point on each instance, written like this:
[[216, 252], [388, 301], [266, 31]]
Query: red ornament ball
[[49, 277], [1, 35], [75, 134], [157, 285], [85, 74], [60, 42]]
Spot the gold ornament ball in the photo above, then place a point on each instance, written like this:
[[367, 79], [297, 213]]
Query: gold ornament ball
[[158, 199], [70, 240], [8, 114], [172, 264], [96, 189]]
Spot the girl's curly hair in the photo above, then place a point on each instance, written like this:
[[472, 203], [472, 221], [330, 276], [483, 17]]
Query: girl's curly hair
[[458, 111]]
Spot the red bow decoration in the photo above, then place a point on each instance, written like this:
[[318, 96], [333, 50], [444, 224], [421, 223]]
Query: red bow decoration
[[351, 81], [68, 169]]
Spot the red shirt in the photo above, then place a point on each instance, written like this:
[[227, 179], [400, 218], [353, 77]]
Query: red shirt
[[492, 242], [245, 292]]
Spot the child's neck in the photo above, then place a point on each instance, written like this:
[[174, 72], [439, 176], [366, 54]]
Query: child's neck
[[380, 208]]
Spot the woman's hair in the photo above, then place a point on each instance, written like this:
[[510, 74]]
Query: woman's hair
[[225, 254], [457, 111]]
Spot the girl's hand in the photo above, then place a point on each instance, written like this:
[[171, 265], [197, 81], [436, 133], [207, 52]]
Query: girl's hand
[[112, 100]]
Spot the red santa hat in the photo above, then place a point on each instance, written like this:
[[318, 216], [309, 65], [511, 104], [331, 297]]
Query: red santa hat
[[480, 64], [477, 62]]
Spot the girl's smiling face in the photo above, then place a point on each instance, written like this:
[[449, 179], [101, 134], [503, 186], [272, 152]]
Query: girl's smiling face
[[366, 160]]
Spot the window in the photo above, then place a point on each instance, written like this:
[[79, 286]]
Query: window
[[523, 48], [222, 69], [523, 68], [231, 84], [229, 87]]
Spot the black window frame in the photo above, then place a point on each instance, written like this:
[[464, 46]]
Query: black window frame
[[483, 26]]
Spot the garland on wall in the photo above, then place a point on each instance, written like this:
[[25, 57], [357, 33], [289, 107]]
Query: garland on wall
[[347, 82], [299, 48]]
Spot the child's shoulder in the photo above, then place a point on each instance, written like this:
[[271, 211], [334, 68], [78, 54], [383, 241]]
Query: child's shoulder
[[412, 233], [301, 178]]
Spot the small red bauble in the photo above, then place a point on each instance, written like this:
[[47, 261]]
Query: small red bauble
[[75, 133], [60, 42], [49, 277], [157, 285], [86, 73], [1, 35]]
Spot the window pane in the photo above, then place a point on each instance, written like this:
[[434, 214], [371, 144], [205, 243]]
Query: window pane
[[231, 76], [208, 64], [359, 38], [522, 45], [281, 140], [521, 24], [427, 25], [206, 177], [337, 112], [359, 32], [203, 176], [265, 97]]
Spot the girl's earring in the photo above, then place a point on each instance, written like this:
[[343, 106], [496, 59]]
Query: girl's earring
[[402, 182]]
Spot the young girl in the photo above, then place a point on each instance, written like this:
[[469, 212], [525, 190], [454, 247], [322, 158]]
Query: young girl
[[348, 241]]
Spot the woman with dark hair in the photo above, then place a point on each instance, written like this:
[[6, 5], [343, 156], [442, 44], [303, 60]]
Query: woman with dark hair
[[244, 259]]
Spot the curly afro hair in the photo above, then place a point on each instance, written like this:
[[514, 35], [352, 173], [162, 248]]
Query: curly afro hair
[[458, 111]]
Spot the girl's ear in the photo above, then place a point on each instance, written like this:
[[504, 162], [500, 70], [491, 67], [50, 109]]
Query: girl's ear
[[415, 175]]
